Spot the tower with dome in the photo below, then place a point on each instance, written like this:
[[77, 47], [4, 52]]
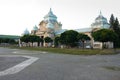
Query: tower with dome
[[100, 23], [48, 26]]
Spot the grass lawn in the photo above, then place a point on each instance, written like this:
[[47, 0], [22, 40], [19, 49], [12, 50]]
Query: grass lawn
[[72, 51]]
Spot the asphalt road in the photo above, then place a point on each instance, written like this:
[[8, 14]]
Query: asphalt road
[[36, 65]]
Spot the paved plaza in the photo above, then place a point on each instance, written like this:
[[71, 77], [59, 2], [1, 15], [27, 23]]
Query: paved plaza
[[18, 64]]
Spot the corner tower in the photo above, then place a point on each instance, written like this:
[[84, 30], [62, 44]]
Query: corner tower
[[51, 21], [50, 17], [100, 22], [49, 25]]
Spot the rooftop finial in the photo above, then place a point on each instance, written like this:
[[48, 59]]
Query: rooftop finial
[[50, 9], [50, 12]]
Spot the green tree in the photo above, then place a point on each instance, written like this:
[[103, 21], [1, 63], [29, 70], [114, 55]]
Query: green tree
[[38, 39], [83, 38], [69, 38], [7, 40], [31, 38], [116, 29], [56, 41], [12, 41], [48, 39], [25, 38], [104, 35], [115, 26], [0, 40], [112, 21]]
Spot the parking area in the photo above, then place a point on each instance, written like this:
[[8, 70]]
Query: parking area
[[10, 61], [51, 66]]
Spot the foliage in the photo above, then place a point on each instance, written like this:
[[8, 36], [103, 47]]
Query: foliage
[[82, 37], [112, 20], [48, 39], [34, 38], [31, 38], [7, 40], [104, 35], [116, 29], [12, 41], [56, 41], [38, 39], [115, 26], [69, 38], [25, 38]]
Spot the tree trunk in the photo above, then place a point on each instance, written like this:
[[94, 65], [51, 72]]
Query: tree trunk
[[102, 45], [83, 44], [38, 44], [114, 47], [32, 44]]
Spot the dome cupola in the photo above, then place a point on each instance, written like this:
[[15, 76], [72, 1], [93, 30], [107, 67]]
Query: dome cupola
[[100, 22], [100, 18], [35, 28], [50, 16], [26, 32]]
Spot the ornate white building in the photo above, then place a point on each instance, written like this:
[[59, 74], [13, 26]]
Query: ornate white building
[[50, 27]]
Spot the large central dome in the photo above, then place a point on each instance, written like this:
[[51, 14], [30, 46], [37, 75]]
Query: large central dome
[[50, 16], [51, 20]]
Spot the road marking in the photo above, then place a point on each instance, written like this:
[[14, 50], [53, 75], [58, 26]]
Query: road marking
[[19, 67], [44, 52], [40, 52], [14, 52]]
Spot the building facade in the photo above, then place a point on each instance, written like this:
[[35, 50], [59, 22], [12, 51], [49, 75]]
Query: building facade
[[50, 27]]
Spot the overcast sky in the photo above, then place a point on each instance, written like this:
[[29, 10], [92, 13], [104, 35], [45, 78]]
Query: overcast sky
[[17, 15]]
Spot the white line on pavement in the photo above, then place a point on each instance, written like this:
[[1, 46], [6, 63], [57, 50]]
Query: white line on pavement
[[19, 67]]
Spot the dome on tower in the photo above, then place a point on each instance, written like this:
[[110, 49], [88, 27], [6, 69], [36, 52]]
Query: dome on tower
[[50, 14], [100, 22], [35, 28], [26, 32], [100, 18]]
